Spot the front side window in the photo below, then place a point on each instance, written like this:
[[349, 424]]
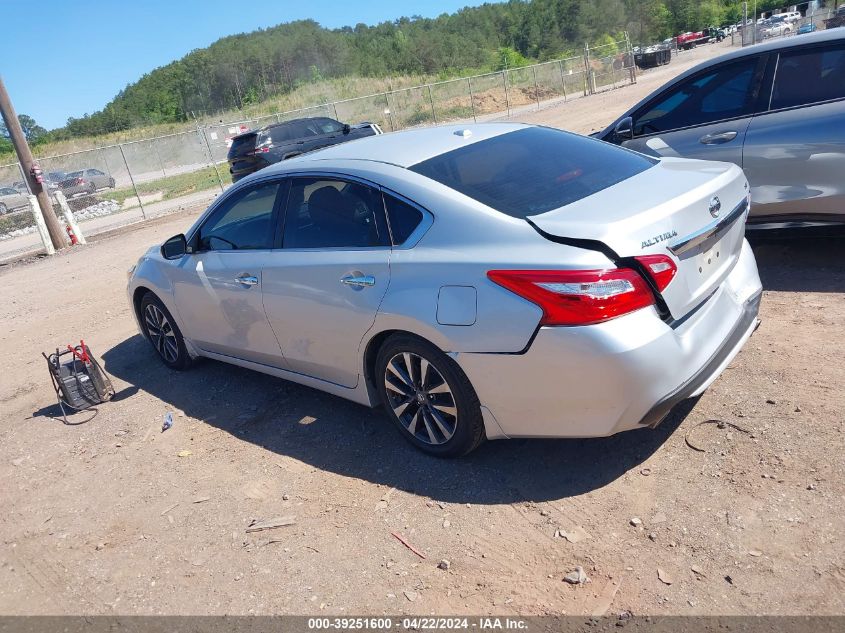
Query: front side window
[[533, 170], [724, 93], [330, 213], [292, 130], [809, 76], [245, 221], [327, 126]]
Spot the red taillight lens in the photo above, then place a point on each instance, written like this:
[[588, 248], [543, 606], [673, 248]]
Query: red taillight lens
[[578, 297], [661, 268], [80, 181]]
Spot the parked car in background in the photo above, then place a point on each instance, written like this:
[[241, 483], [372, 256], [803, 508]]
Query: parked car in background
[[12, 199], [776, 109], [837, 20], [85, 181], [777, 26], [493, 280], [51, 181], [53, 178], [257, 149], [809, 27], [789, 16]]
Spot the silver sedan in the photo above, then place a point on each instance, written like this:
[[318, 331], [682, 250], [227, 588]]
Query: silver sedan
[[488, 282]]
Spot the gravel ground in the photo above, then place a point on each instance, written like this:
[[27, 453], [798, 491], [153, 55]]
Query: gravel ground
[[114, 517]]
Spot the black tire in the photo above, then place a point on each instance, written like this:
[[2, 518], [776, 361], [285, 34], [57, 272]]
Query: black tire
[[169, 347], [111, 183], [3, 209], [427, 402]]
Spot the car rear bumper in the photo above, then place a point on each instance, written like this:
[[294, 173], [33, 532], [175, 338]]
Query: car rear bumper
[[627, 373]]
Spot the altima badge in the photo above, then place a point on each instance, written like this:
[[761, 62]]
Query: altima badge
[[715, 206], [659, 238]]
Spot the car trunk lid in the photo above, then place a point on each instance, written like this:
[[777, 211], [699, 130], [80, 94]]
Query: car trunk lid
[[692, 211]]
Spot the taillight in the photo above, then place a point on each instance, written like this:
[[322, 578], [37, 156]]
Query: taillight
[[80, 181], [661, 268], [578, 297]]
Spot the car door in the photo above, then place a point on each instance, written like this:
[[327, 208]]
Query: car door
[[794, 154], [322, 290], [705, 116], [217, 288]]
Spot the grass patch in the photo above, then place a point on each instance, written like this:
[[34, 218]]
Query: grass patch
[[173, 186]]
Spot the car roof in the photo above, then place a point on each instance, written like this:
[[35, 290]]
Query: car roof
[[404, 148]]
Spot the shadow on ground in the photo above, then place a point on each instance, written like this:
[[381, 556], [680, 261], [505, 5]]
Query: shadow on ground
[[335, 435], [802, 261], [338, 436]]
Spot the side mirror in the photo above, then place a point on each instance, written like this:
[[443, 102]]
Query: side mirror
[[175, 247], [346, 128], [624, 130]]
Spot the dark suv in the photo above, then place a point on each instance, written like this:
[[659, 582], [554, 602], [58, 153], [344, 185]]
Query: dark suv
[[256, 149]]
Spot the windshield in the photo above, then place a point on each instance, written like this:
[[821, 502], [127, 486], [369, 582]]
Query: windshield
[[533, 170]]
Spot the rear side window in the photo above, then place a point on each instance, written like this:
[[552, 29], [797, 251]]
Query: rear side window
[[403, 218], [533, 170], [809, 76], [242, 144], [724, 93]]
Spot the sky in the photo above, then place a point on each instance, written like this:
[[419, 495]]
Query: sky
[[63, 58]]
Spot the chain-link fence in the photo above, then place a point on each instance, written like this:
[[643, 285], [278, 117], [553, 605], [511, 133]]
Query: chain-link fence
[[766, 29], [119, 184]]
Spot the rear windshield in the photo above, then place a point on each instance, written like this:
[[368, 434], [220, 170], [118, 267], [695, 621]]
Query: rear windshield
[[533, 170], [242, 144]]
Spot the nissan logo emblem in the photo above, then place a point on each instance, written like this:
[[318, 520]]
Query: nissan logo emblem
[[715, 206]]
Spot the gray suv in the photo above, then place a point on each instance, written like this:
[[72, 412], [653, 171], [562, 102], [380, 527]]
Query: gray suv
[[776, 109]]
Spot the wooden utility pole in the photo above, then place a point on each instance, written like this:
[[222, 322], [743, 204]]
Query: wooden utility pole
[[10, 117]]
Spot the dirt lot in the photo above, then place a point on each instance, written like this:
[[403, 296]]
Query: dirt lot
[[107, 517]]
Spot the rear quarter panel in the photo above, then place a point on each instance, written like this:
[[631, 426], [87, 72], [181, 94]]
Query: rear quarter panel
[[465, 240]]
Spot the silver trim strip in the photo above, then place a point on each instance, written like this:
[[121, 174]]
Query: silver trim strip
[[710, 234]]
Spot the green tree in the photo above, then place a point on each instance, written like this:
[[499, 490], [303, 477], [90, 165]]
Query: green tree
[[506, 57], [31, 130]]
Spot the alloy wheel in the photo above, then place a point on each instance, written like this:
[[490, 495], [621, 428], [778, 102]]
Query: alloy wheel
[[421, 398], [161, 333]]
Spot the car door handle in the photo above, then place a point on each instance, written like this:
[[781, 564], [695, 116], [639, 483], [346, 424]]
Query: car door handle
[[717, 138], [359, 281], [247, 280]]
